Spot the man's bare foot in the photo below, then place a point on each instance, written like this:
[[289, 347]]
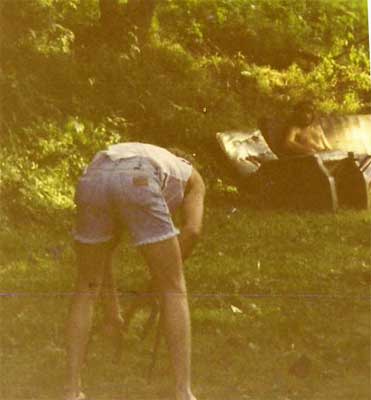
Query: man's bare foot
[[75, 396], [184, 395]]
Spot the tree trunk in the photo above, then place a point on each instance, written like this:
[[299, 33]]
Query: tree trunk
[[140, 14], [117, 20], [109, 12]]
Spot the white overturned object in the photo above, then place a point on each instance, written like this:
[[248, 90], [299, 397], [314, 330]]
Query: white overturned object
[[348, 132], [245, 150]]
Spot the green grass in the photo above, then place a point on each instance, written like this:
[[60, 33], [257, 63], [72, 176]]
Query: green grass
[[302, 282]]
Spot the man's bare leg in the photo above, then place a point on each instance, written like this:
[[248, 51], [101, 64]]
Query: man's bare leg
[[91, 261], [165, 263]]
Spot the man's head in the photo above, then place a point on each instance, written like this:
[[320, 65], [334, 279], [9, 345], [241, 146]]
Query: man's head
[[185, 155], [303, 114]]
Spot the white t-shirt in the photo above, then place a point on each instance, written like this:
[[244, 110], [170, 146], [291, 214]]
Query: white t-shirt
[[175, 171]]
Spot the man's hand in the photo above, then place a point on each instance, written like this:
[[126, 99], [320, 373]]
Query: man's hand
[[187, 240], [114, 326], [113, 321]]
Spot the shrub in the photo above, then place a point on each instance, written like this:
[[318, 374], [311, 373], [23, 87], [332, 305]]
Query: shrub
[[40, 164]]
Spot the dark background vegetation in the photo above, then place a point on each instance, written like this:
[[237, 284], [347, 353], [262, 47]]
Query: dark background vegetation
[[79, 74]]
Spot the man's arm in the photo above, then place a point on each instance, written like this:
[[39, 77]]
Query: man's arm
[[325, 142], [192, 214], [318, 140]]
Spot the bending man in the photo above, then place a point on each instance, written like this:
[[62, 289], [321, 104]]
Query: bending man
[[138, 186]]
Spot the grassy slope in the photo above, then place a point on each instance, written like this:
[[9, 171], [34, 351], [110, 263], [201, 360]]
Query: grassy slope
[[302, 283]]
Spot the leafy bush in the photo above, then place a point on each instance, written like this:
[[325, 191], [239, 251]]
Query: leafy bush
[[40, 164], [266, 32]]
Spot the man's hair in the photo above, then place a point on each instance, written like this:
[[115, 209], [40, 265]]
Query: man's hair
[[304, 105], [303, 114], [182, 154]]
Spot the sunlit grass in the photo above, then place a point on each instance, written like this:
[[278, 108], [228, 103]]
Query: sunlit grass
[[299, 285]]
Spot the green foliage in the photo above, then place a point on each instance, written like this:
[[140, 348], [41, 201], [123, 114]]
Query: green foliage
[[35, 26], [41, 163], [211, 65], [274, 32]]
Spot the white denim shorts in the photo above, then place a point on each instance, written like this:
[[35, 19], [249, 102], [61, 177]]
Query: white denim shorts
[[112, 195]]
